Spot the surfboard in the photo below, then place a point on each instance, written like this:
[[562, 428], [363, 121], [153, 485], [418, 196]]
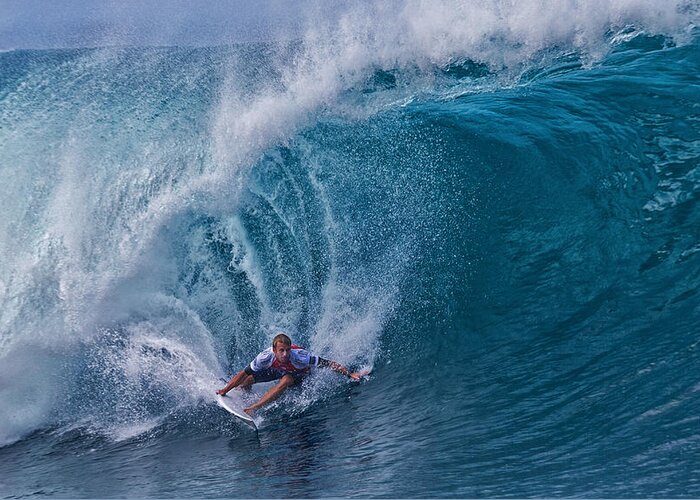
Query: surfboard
[[234, 404]]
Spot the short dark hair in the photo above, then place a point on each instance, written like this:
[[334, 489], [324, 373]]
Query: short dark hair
[[281, 337]]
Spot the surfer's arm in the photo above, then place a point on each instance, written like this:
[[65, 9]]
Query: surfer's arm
[[327, 363]]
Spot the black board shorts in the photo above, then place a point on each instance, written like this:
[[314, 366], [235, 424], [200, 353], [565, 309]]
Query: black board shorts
[[271, 374]]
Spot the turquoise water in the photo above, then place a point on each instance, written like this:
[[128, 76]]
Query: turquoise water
[[504, 227]]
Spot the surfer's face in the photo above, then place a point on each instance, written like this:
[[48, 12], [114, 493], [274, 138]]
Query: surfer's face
[[282, 352]]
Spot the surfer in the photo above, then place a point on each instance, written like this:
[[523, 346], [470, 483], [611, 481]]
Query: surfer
[[285, 362]]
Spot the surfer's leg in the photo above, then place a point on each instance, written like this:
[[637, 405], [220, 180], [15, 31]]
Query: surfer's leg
[[238, 379], [272, 394], [247, 382]]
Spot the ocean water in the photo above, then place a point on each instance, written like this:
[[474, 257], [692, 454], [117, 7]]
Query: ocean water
[[494, 205]]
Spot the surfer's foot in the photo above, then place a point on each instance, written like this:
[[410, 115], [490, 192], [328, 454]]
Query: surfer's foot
[[249, 411]]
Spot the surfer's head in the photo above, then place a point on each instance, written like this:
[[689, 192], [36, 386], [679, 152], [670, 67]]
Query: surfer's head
[[281, 338], [281, 346]]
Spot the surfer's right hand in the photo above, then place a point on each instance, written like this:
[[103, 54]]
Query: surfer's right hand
[[358, 376], [221, 392]]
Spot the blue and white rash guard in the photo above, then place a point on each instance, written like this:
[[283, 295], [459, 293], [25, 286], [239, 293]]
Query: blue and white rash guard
[[300, 360]]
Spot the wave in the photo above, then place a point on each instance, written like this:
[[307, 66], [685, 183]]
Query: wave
[[169, 208]]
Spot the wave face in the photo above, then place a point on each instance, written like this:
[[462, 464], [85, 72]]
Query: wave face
[[495, 206]]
